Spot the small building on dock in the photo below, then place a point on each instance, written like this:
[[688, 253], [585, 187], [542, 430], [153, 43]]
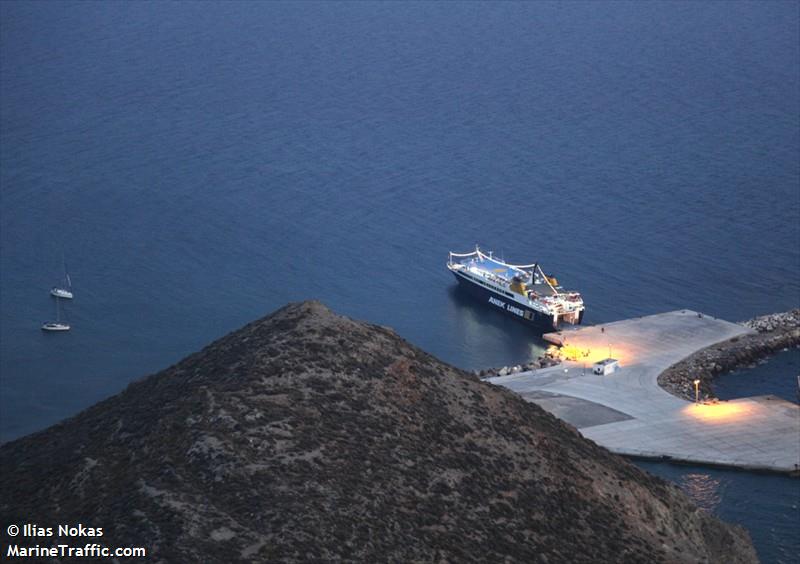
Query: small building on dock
[[605, 367]]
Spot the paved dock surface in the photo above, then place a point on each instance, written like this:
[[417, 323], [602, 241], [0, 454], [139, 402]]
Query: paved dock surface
[[629, 413]]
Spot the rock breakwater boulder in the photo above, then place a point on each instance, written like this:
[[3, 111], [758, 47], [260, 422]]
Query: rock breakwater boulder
[[784, 321], [550, 358], [774, 333]]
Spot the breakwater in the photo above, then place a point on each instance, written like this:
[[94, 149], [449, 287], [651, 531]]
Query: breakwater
[[551, 358], [774, 333]]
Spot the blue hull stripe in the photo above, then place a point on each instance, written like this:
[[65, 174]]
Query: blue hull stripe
[[496, 300]]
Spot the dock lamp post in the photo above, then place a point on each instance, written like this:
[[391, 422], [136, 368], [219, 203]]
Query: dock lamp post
[[697, 391]]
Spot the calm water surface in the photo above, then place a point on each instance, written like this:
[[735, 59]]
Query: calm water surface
[[777, 376], [201, 164], [768, 506]]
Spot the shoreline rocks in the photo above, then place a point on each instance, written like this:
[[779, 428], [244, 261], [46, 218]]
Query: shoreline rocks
[[775, 321], [774, 333], [550, 358]]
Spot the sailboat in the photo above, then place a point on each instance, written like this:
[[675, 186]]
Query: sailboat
[[65, 291], [56, 325]]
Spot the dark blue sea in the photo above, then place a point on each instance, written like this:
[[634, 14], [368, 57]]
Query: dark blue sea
[[198, 165]]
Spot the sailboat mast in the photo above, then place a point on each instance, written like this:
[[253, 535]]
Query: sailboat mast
[[66, 272]]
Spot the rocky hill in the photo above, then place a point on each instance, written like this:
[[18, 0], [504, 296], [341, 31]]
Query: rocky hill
[[306, 436]]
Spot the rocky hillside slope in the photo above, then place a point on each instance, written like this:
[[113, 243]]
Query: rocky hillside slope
[[306, 436]]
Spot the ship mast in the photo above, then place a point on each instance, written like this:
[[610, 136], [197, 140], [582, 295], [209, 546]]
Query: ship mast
[[547, 280]]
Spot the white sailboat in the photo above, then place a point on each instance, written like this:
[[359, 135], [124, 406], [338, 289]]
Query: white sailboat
[[56, 325], [65, 291]]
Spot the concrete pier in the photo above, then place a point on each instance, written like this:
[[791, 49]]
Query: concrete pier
[[629, 413]]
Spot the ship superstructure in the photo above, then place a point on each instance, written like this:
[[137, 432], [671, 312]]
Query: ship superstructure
[[523, 291]]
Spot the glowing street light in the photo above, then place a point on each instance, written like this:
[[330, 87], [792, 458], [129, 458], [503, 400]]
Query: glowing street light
[[697, 391]]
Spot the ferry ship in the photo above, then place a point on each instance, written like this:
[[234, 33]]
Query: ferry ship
[[523, 291]]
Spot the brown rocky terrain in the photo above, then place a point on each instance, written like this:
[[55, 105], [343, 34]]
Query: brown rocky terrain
[[306, 436], [774, 332]]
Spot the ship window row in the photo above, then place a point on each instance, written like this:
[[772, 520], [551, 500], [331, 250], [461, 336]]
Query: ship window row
[[484, 284]]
